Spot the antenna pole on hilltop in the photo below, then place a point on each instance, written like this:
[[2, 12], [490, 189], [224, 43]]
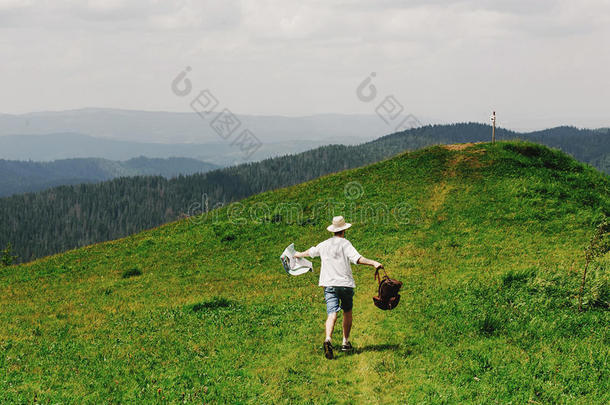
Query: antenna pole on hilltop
[[493, 130]]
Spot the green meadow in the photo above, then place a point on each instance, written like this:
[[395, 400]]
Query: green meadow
[[489, 243]]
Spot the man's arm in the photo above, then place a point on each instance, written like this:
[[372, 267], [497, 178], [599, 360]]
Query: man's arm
[[365, 261], [300, 255]]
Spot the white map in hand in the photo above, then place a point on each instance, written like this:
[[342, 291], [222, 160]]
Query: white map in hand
[[295, 266]]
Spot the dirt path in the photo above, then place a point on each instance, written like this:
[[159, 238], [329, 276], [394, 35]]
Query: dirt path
[[461, 146], [367, 318]]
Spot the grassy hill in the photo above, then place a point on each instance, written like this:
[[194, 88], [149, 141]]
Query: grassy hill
[[486, 238]]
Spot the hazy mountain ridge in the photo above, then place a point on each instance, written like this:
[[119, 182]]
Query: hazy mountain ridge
[[70, 145], [46, 222], [27, 176], [189, 127]]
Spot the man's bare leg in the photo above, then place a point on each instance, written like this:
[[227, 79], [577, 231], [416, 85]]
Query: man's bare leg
[[330, 325], [347, 326]]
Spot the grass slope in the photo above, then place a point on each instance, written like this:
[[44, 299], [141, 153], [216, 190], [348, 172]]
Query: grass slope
[[487, 240]]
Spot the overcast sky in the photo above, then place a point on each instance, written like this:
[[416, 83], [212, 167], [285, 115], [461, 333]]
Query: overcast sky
[[538, 63]]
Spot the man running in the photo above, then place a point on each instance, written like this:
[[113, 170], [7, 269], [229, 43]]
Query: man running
[[336, 277]]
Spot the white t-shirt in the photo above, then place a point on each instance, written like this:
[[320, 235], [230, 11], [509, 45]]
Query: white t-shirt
[[336, 254]]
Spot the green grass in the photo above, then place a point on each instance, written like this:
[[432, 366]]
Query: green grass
[[489, 246]]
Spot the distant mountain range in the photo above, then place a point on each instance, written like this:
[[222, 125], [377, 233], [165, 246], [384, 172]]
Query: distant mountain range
[[21, 177], [189, 127], [86, 159], [55, 146], [62, 218], [589, 146]]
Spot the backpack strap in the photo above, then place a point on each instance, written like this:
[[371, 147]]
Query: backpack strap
[[378, 277]]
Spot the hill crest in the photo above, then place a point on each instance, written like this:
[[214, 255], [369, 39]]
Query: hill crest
[[201, 309]]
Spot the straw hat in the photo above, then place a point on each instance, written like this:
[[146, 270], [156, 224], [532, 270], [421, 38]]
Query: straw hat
[[338, 224]]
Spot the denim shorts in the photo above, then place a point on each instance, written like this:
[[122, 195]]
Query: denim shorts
[[334, 295]]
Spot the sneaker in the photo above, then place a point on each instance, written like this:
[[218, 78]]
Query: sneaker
[[347, 347], [328, 350]]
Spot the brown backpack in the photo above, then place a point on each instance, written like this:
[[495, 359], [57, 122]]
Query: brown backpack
[[388, 297]]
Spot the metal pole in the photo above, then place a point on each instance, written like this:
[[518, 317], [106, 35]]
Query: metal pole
[[493, 131]]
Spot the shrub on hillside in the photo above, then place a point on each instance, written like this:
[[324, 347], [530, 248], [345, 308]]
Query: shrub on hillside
[[133, 272], [6, 256], [597, 248], [214, 303], [225, 231]]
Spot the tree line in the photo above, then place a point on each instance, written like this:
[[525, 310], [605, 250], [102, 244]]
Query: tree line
[[26, 176]]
